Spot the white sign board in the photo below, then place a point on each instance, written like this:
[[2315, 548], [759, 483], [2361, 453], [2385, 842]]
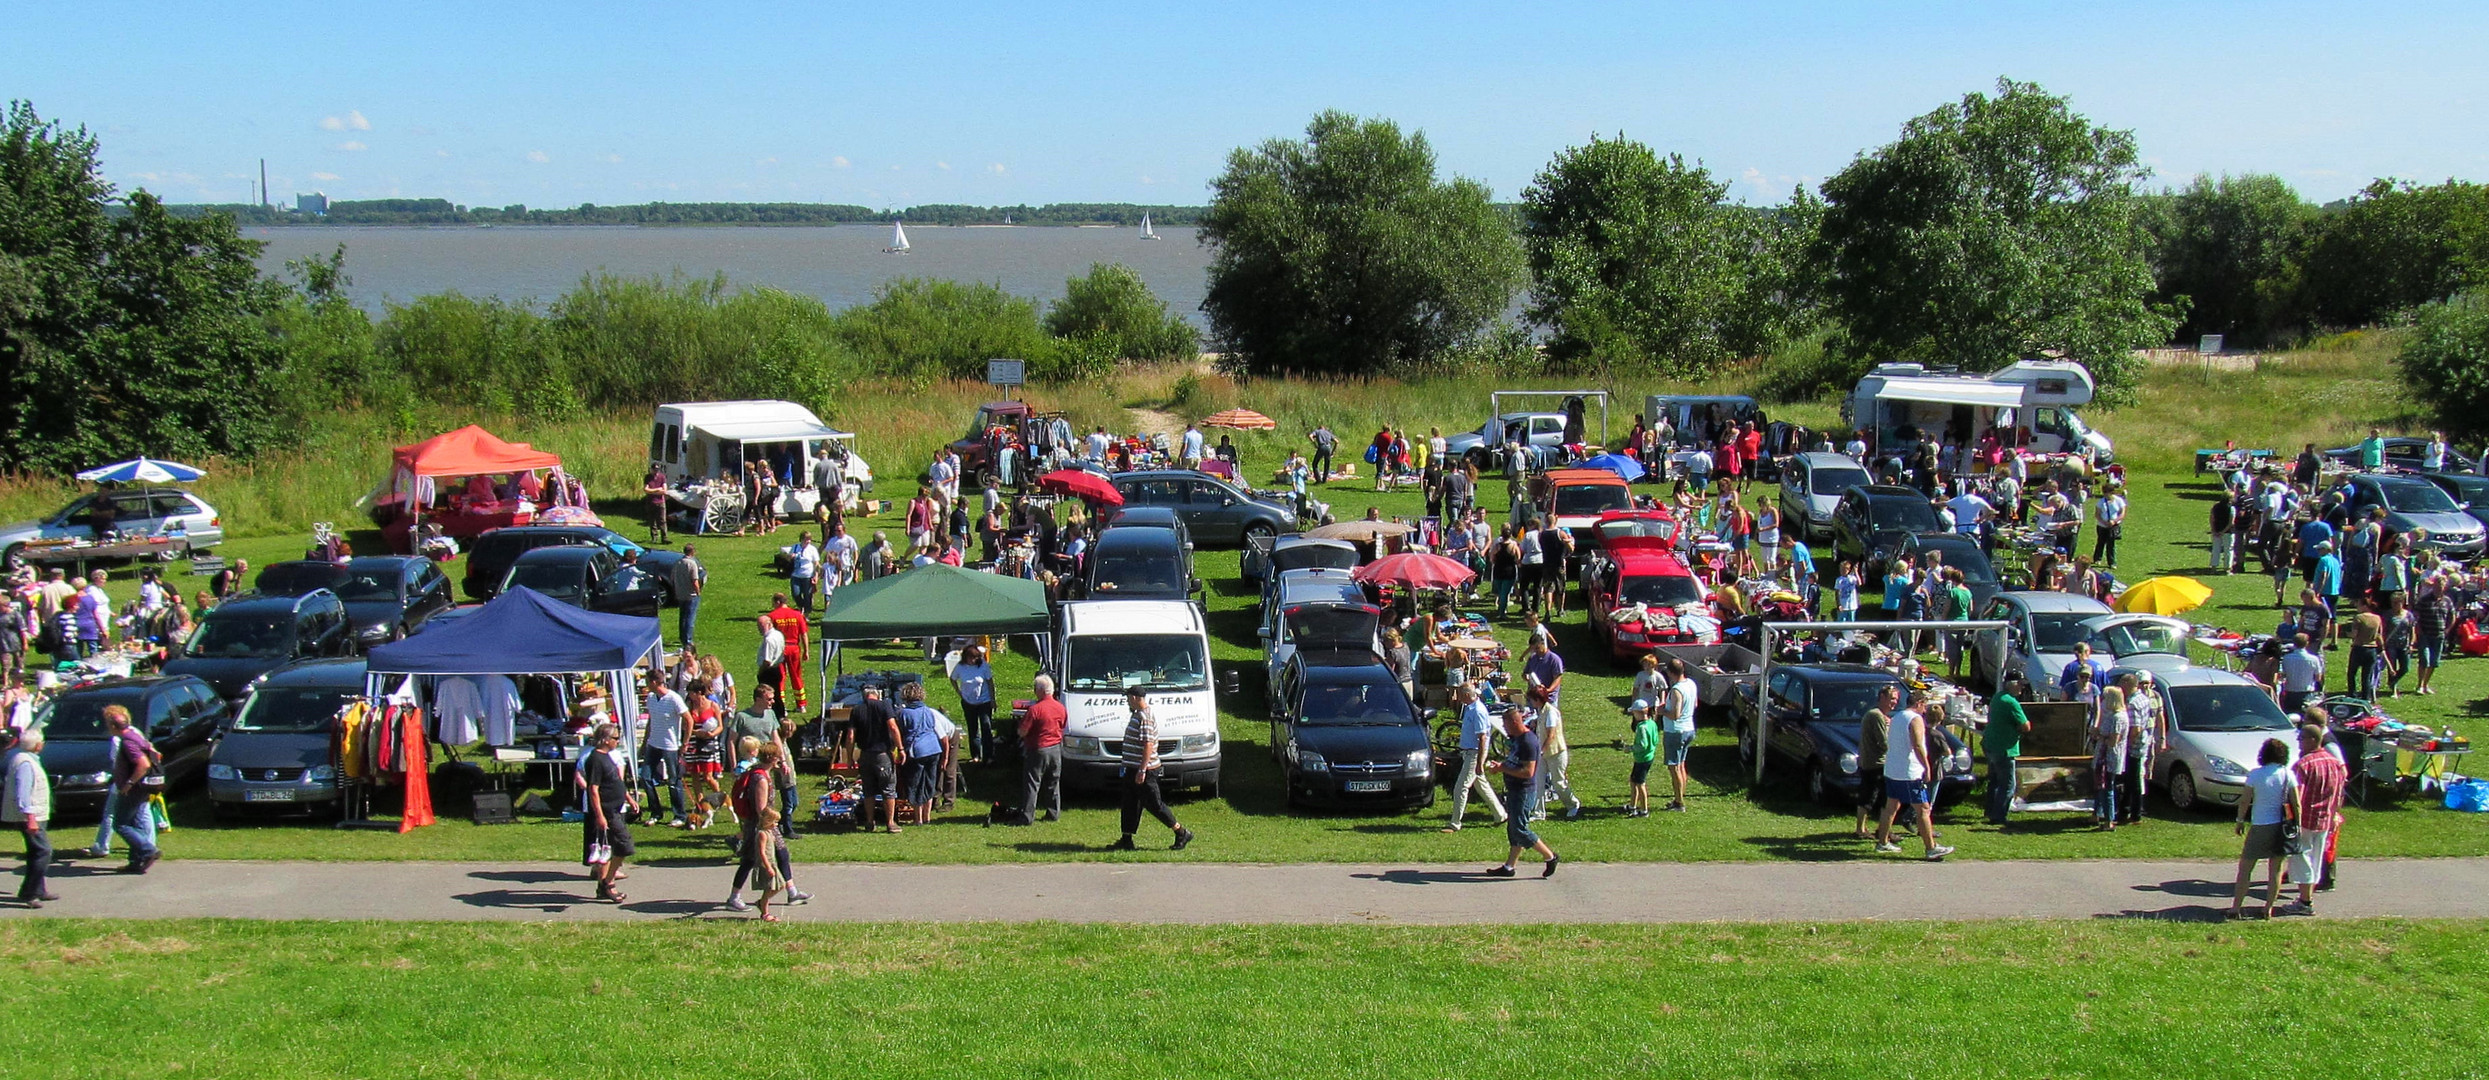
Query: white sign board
[[2210, 345], [1006, 372]]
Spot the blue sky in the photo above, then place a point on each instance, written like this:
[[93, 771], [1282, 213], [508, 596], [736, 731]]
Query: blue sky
[[893, 104]]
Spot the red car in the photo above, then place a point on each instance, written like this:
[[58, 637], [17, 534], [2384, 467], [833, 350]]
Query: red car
[[1638, 588]]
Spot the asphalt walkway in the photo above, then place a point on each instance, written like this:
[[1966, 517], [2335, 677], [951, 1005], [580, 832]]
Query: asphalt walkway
[[1232, 893]]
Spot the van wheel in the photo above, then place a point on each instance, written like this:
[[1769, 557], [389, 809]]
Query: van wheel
[[2182, 792], [1745, 749]]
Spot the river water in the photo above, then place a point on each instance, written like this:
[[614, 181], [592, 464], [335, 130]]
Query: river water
[[840, 264]]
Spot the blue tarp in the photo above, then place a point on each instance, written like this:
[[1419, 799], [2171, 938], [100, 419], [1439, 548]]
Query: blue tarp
[[523, 632]]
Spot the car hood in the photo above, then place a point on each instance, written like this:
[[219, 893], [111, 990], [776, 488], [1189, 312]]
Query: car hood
[[230, 676], [271, 750], [2438, 524], [2241, 747], [1394, 742], [365, 614], [19, 531], [1467, 440], [70, 757]]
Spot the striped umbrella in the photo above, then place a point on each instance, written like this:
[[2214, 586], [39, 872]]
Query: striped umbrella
[[144, 471], [1241, 419]]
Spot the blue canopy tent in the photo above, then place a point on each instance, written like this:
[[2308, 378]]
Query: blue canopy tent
[[1619, 464], [525, 632]]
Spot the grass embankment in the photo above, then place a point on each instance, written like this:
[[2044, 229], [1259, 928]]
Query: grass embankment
[[278, 1000], [1250, 822]]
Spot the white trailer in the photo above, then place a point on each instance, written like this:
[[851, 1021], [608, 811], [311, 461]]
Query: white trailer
[[2030, 403]]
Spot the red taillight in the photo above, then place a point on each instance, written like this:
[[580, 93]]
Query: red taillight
[[217, 522]]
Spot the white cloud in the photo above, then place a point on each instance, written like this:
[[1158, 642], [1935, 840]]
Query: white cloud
[[942, 165], [840, 162], [440, 153], [1147, 180], [326, 176], [539, 156], [352, 121], [997, 169], [352, 144], [611, 159], [770, 160]]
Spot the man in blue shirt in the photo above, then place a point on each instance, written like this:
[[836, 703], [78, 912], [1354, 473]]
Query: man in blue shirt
[[2326, 578], [1475, 726], [2082, 659], [1544, 669], [1520, 768]]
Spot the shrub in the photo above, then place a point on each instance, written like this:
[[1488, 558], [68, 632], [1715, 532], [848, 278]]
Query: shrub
[[2445, 360]]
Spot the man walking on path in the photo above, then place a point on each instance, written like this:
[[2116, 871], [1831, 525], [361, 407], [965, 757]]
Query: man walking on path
[[26, 803], [134, 763], [606, 836], [687, 611], [1041, 754], [1475, 724], [1140, 774], [877, 739], [2322, 779], [2007, 724], [1906, 774], [1520, 770]]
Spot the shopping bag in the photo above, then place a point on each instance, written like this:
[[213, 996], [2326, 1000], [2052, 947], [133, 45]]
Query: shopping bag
[[1373, 455], [2469, 796]]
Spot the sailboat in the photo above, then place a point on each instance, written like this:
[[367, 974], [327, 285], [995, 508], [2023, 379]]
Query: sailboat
[[1147, 233], [898, 239]]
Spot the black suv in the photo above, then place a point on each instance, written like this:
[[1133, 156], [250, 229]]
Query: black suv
[[588, 577], [1218, 513], [181, 715], [1138, 564], [1815, 712], [387, 596], [1872, 520], [1347, 735], [251, 635], [489, 557], [277, 752]]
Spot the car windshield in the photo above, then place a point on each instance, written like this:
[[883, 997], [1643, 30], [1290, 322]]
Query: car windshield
[[1967, 559], [2225, 708], [236, 637], [2417, 498], [1844, 702], [297, 579], [368, 585], [1141, 573], [1591, 498], [1658, 528], [2057, 631], [1659, 590], [1836, 481], [1909, 515], [1111, 662], [2139, 639], [1349, 706], [82, 715], [549, 578], [295, 709]]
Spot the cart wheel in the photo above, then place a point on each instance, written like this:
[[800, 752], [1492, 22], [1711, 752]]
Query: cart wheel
[[722, 516]]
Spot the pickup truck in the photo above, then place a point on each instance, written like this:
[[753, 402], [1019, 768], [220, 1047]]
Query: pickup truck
[[1540, 433]]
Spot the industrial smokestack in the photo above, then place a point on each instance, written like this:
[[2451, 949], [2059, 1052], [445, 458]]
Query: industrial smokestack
[[263, 183]]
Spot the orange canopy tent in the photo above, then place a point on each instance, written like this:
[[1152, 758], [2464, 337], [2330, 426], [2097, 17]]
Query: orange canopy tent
[[470, 451]]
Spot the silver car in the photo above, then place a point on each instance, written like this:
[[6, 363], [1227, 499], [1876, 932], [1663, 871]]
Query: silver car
[[2044, 627], [1810, 487], [145, 511], [2218, 724], [2420, 509]]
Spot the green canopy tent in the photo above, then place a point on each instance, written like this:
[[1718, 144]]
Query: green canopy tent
[[931, 601]]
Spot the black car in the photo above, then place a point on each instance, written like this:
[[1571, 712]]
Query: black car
[[181, 715], [489, 557], [277, 752], [1873, 520], [588, 577], [1138, 564], [1152, 517], [252, 634], [1815, 711], [386, 596], [2407, 452], [1218, 513], [1957, 552], [1347, 734]]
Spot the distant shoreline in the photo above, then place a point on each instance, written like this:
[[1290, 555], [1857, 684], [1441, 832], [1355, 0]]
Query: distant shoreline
[[320, 223]]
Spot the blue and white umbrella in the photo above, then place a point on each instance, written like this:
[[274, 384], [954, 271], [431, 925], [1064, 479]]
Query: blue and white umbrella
[[1617, 463], [144, 471]]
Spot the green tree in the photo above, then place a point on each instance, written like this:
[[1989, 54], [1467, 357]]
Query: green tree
[[1112, 307], [2396, 245], [141, 333], [331, 350], [1342, 253], [2224, 253], [1993, 229], [1637, 260], [2445, 362], [923, 327]]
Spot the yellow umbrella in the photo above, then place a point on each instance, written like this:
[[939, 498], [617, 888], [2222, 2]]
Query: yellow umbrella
[[2163, 596]]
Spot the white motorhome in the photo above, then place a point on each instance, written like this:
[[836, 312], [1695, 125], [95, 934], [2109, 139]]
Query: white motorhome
[[1108, 647], [703, 448], [2030, 404]]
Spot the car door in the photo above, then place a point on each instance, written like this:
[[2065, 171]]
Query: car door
[[1212, 513], [134, 512], [212, 713], [1783, 704], [427, 592], [1793, 488], [167, 710], [1848, 527]]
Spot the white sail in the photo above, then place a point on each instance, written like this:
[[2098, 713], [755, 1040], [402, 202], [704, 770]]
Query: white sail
[[898, 237], [1147, 233]]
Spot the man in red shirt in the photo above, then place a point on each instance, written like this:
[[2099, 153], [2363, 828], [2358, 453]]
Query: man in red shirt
[[791, 623], [1041, 754], [2322, 778]]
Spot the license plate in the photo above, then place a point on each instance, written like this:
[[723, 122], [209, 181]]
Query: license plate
[[268, 795], [1369, 785]]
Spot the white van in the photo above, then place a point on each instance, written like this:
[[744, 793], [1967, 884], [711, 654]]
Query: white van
[[1896, 401], [702, 448], [1163, 646]]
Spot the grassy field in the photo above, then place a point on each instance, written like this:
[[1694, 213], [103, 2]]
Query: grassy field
[[2011, 999], [1249, 821]]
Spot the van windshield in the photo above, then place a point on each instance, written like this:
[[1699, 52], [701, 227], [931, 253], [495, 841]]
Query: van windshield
[[1112, 662], [238, 637], [1836, 481], [1139, 573], [1591, 499], [290, 709]]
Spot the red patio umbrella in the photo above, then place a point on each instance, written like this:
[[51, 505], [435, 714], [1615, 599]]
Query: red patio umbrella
[[1415, 569], [1240, 419], [1081, 484]]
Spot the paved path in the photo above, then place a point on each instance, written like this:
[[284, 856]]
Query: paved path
[[1228, 893]]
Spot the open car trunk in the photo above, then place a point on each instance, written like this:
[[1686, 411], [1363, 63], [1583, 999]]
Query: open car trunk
[[2054, 773], [1334, 627]]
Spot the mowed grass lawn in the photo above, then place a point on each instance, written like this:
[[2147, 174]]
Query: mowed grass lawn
[[2007, 999], [1249, 821]]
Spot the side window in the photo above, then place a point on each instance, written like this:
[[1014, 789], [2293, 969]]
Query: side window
[[160, 713], [1206, 493], [1781, 682], [131, 506], [202, 698], [171, 504]]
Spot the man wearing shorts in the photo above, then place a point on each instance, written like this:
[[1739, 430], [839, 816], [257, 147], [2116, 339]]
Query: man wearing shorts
[[1677, 734], [1907, 776], [1520, 769], [877, 734]]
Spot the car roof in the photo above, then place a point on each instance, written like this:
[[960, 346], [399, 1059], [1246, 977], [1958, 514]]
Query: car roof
[[247, 603], [326, 671], [2193, 676], [1144, 540], [1131, 617], [1163, 474], [136, 684], [1144, 515], [580, 553], [363, 562], [1584, 476], [1821, 459], [1707, 399], [2050, 600], [1843, 673], [1344, 667], [1890, 491], [591, 531]]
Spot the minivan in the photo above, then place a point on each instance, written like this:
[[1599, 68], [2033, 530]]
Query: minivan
[[1138, 564], [251, 635], [277, 752], [1107, 647]]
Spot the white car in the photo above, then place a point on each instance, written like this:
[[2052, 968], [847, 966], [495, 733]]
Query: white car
[[136, 511], [2218, 723]]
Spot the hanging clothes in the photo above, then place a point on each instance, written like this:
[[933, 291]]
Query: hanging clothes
[[416, 758]]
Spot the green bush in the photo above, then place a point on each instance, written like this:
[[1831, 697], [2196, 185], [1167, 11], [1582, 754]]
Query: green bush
[[2445, 360], [922, 328], [1112, 307]]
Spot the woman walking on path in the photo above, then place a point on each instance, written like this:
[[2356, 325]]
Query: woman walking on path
[[2110, 730], [2272, 800]]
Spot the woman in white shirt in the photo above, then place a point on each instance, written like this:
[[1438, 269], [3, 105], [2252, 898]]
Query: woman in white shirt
[[2108, 750], [2272, 799]]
